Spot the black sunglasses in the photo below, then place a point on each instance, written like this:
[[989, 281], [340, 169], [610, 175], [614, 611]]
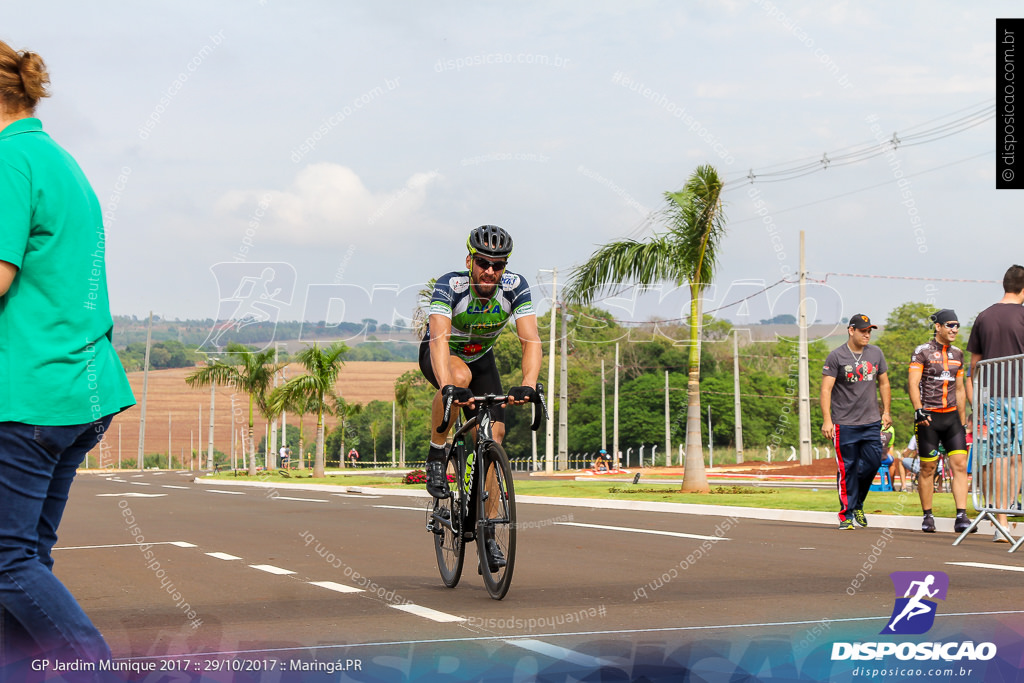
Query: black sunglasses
[[953, 326], [484, 264]]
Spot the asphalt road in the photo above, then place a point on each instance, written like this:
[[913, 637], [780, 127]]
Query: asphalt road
[[239, 583]]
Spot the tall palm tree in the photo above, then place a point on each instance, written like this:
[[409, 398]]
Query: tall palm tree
[[297, 405], [345, 411], [686, 253], [316, 387], [403, 398], [248, 371]]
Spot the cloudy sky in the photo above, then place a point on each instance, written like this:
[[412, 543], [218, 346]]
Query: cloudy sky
[[349, 147]]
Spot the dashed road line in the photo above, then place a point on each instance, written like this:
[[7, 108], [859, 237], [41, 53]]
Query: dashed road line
[[305, 500], [558, 653], [271, 569], [427, 613], [223, 556], [400, 507], [339, 587], [130, 494], [230, 493], [140, 483], [644, 531], [172, 486]]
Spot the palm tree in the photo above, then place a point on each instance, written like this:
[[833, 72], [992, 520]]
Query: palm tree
[[687, 253], [296, 404], [249, 371], [316, 388], [345, 410], [403, 397]]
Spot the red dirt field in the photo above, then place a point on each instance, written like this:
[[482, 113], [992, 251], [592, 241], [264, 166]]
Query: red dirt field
[[168, 395]]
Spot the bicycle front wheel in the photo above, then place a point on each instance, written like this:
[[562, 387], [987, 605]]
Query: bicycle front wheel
[[447, 524], [496, 515]]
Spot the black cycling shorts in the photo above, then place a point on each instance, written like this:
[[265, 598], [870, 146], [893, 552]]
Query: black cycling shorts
[[486, 379], [945, 428]]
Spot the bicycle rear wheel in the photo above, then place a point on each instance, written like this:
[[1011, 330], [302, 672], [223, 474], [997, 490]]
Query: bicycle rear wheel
[[446, 522], [496, 512]]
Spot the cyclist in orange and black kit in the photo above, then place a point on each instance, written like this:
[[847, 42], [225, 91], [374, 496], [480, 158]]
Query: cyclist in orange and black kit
[[940, 414]]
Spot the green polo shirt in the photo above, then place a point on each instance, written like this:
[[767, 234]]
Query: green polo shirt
[[57, 363]]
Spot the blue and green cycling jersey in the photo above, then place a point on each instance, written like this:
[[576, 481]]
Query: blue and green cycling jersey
[[476, 324]]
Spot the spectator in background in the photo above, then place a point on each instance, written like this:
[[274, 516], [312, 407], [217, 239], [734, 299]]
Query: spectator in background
[[61, 382], [998, 332], [851, 375], [936, 387], [353, 456]]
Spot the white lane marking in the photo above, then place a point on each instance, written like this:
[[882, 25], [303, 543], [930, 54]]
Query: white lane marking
[[559, 653], [271, 569], [644, 531], [341, 588], [180, 544], [130, 495], [307, 500], [808, 548], [223, 556], [426, 612], [171, 486], [230, 493], [399, 507], [984, 565], [140, 483], [574, 634], [354, 495]]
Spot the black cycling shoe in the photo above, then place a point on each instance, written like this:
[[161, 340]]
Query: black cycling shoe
[[928, 524], [437, 479], [495, 558]]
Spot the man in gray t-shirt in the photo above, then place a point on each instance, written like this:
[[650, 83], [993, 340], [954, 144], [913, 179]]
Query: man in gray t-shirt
[[851, 375]]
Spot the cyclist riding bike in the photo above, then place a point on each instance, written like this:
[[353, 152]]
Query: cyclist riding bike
[[936, 387], [468, 310]]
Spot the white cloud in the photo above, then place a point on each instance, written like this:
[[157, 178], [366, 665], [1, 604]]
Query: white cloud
[[328, 204]]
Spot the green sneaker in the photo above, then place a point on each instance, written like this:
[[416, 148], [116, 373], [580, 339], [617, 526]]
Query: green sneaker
[[860, 517], [846, 525]]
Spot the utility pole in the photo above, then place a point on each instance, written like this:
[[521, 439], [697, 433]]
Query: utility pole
[[802, 380], [272, 448], [736, 394], [209, 446], [549, 441], [563, 401], [145, 387], [668, 431], [615, 413], [604, 416]]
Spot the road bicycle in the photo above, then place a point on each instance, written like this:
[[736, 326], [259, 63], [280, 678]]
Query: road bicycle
[[491, 521]]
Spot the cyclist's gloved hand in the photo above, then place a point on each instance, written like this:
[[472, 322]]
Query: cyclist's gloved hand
[[922, 417], [521, 393], [460, 394]]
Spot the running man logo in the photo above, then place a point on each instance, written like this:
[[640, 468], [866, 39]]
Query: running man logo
[[914, 613], [251, 296]]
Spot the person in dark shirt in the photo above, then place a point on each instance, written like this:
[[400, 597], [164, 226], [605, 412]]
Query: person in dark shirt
[[998, 332], [851, 375]]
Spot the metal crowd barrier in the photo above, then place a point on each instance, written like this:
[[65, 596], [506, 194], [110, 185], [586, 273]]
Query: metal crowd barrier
[[998, 404]]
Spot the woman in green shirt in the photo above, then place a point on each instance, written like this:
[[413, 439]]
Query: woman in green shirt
[[60, 379]]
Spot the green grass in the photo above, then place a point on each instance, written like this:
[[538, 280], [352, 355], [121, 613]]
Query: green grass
[[823, 499]]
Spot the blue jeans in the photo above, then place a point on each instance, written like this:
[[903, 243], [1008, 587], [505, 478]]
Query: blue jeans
[[38, 616]]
